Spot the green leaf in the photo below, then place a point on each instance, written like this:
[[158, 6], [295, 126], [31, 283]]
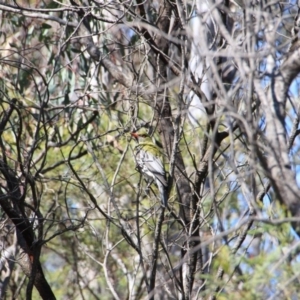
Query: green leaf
[[76, 50], [46, 26]]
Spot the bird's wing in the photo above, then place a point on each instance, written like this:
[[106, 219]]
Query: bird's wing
[[153, 164]]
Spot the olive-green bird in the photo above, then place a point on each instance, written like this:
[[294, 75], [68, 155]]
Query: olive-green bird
[[149, 162]]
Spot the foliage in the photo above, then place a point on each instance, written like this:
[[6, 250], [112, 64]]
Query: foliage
[[215, 84]]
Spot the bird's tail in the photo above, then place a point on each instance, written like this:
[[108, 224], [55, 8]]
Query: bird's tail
[[163, 191]]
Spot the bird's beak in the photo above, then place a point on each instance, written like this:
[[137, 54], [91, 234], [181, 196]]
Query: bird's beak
[[135, 135]]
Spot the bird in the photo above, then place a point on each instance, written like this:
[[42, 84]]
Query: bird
[[149, 162]]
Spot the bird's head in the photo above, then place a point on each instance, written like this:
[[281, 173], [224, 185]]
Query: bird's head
[[141, 135]]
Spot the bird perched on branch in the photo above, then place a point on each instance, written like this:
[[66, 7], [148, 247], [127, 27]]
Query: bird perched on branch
[[149, 162]]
